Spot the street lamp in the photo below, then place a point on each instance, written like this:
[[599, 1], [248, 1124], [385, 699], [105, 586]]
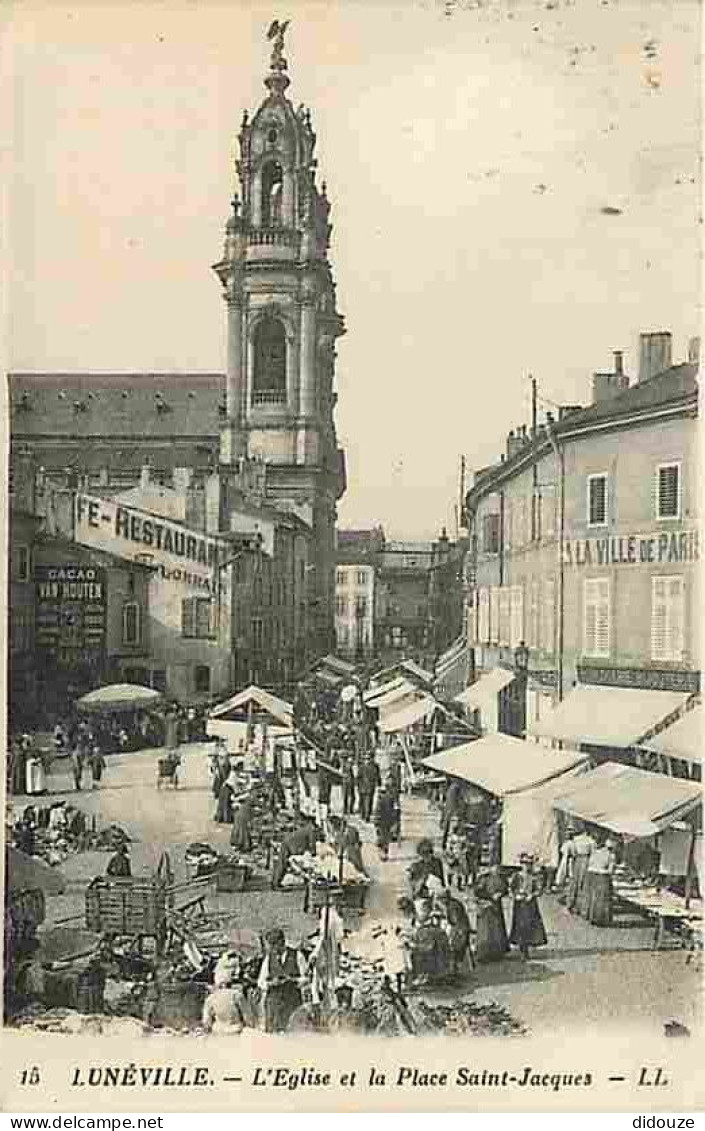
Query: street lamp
[[521, 658]]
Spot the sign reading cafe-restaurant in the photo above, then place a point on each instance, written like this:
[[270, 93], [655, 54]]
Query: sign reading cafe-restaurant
[[180, 554], [632, 549]]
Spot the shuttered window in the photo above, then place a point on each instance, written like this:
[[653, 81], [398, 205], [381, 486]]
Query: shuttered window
[[547, 625], [196, 618], [483, 616], [490, 534], [505, 610], [516, 622], [131, 623], [668, 491], [596, 617], [494, 615], [667, 618], [597, 500], [471, 623]]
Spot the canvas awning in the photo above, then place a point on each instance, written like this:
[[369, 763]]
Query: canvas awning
[[416, 671], [683, 739], [396, 696], [629, 801], [504, 765], [408, 715], [607, 716], [480, 693], [334, 664], [448, 658], [374, 693], [262, 702]]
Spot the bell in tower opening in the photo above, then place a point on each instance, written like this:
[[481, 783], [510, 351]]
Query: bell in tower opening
[[283, 322]]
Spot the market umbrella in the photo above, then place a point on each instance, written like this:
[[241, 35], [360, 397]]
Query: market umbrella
[[119, 697], [27, 873]]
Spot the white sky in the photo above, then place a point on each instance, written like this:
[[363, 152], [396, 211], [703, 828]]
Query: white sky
[[469, 147]]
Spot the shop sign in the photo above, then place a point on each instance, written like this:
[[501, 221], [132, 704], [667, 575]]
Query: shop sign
[[664, 548], [648, 679], [71, 613], [178, 553]]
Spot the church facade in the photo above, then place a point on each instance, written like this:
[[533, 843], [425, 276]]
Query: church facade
[[252, 449]]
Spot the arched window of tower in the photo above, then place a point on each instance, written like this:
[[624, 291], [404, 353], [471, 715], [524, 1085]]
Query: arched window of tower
[[269, 378], [272, 194]]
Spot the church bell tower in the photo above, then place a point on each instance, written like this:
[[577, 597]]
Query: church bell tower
[[283, 324]]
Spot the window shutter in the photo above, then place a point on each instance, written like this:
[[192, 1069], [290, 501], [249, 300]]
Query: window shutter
[[203, 617], [494, 615], [471, 625], [504, 615], [596, 617], [667, 618], [188, 617], [548, 615], [676, 610], [484, 616], [668, 491], [532, 632], [516, 631]]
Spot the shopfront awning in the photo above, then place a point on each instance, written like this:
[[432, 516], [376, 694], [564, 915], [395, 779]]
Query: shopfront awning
[[504, 765], [480, 693], [629, 801], [261, 702], [683, 739], [408, 715], [607, 716]]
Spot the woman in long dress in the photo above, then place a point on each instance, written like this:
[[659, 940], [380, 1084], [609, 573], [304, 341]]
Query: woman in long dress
[[224, 810], [527, 925], [35, 772], [491, 941], [598, 902], [241, 835]]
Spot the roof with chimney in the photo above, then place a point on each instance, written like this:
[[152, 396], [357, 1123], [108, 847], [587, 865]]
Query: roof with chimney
[[674, 389], [116, 405]]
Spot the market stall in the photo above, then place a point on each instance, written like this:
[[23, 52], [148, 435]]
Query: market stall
[[615, 717], [244, 718], [510, 769], [660, 813]]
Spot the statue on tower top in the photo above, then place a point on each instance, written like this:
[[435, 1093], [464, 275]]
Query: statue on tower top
[[276, 32]]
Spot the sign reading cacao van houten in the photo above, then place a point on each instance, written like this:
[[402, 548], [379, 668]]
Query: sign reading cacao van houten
[[71, 613]]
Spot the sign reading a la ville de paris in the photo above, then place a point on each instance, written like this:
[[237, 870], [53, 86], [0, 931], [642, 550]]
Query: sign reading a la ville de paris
[[632, 549]]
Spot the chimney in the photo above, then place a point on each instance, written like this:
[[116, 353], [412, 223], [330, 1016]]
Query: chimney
[[619, 363], [604, 387], [514, 443], [694, 351], [654, 354], [144, 477]]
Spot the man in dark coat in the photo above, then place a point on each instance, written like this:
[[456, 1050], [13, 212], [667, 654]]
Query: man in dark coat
[[368, 782], [385, 820], [119, 864], [301, 840]]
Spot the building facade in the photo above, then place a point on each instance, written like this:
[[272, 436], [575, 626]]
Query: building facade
[[584, 539], [358, 559]]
